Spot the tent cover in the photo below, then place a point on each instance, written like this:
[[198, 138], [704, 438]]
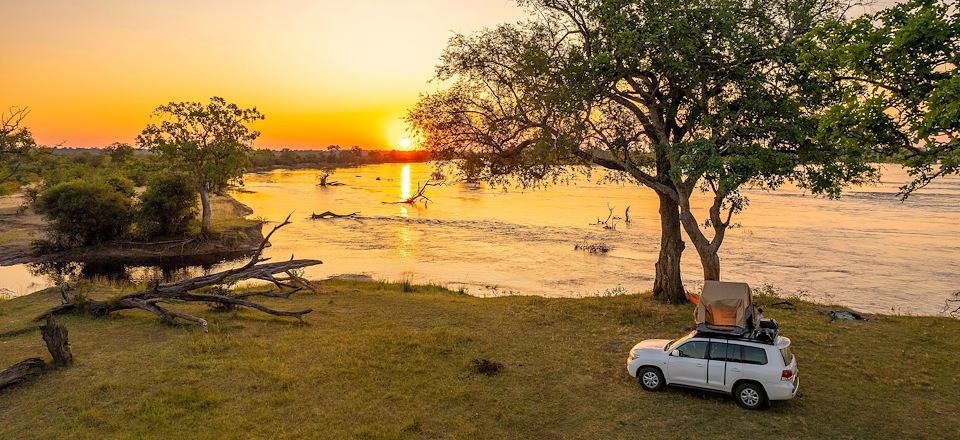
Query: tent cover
[[724, 307]]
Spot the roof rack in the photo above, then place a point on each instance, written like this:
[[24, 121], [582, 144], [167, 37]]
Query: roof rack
[[766, 333]]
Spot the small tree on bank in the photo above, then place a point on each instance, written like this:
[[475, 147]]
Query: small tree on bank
[[84, 212], [208, 141], [16, 143], [167, 206]]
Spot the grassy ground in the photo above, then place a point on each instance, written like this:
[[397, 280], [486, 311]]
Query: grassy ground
[[389, 361]]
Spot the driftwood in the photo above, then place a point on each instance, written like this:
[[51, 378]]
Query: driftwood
[[154, 298], [21, 371], [952, 305], [611, 221], [327, 215], [421, 189], [58, 343]]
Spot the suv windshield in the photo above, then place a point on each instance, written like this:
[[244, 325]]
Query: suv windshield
[[672, 344]]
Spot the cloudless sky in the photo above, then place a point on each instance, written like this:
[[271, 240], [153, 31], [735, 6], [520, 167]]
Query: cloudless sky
[[324, 72]]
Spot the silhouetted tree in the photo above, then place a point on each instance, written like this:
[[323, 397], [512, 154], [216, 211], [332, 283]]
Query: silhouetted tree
[[16, 142]]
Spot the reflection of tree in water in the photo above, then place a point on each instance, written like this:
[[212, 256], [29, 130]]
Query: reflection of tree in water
[[62, 273]]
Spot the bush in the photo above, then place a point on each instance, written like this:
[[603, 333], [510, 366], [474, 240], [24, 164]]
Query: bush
[[83, 213], [167, 206]]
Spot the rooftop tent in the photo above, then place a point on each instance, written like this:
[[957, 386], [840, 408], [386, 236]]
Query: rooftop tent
[[724, 307]]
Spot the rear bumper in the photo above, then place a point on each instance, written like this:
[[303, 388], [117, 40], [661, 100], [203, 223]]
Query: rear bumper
[[784, 390]]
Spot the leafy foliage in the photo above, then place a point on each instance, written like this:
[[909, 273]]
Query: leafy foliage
[[16, 145], [211, 141], [681, 96], [899, 91], [167, 206], [83, 213]]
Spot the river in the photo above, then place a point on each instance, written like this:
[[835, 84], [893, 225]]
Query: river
[[867, 250]]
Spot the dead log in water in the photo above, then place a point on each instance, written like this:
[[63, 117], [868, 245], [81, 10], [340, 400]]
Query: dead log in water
[[283, 275], [327, 215], [420, 194]]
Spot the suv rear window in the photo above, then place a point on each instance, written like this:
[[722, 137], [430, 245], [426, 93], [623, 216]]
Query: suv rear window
[[754, 355], [787, 355]]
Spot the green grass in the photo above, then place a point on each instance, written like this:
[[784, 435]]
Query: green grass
[[383, 360]]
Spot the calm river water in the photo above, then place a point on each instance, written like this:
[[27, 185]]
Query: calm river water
[[867, 250]]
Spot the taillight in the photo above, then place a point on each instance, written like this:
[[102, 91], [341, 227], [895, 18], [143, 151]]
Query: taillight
[[786, 375]]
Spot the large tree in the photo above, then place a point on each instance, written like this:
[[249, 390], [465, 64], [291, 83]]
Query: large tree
[[16, 143], [680, 96], [209, 141], [897, 72]]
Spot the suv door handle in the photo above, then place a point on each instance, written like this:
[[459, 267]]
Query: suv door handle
[[699, 365], [735, 370]]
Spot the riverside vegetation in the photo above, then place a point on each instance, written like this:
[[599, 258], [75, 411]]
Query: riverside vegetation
[[380, 360]]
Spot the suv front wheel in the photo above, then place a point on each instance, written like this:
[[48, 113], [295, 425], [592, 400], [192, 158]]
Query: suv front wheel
[[651, 379], [750, 396]]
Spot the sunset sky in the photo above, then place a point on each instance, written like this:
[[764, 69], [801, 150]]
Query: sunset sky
[[323, 72]]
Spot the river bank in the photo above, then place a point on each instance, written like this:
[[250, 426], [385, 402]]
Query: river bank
[[233, 235], [392, 361]]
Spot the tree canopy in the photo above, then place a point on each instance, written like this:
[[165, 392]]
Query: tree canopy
[[680, 96], [211, 141], [896, 71]]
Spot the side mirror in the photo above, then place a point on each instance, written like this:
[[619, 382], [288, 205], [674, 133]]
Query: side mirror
[[675, 353]]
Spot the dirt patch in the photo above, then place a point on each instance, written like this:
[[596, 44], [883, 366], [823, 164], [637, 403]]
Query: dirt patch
[[17, 229]]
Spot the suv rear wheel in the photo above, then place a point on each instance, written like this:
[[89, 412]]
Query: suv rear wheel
[[651, 379], [750, 396]]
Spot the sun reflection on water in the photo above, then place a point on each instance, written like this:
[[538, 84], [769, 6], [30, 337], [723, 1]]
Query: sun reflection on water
[[404, 242], [405, 182]]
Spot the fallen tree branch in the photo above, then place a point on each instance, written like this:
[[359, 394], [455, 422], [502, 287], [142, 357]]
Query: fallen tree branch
[[21, 371], [156, 294], [421, 189]]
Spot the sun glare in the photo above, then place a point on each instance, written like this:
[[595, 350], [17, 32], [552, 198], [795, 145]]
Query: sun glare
[[405, 143]]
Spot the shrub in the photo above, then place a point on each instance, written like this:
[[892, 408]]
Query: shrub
[[167, 206], [83, 213]]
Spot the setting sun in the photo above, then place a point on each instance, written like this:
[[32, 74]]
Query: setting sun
[[405, 143]]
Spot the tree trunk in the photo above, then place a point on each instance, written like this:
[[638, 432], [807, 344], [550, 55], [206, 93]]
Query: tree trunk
[[668, 286], [710, 259], [205, 210], [55, 335], [708, 250]]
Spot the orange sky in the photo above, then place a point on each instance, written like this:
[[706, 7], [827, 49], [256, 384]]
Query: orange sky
[[322, 71]]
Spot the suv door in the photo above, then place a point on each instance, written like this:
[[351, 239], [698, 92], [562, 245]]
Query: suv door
[[689, 367], [744, 361], [717, 365]]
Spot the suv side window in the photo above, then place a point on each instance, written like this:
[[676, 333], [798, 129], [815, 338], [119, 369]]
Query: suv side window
[[754, 355], [694, 349], [718, 351]]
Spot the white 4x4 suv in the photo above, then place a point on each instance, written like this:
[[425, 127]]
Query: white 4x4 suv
[[753, 372]]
